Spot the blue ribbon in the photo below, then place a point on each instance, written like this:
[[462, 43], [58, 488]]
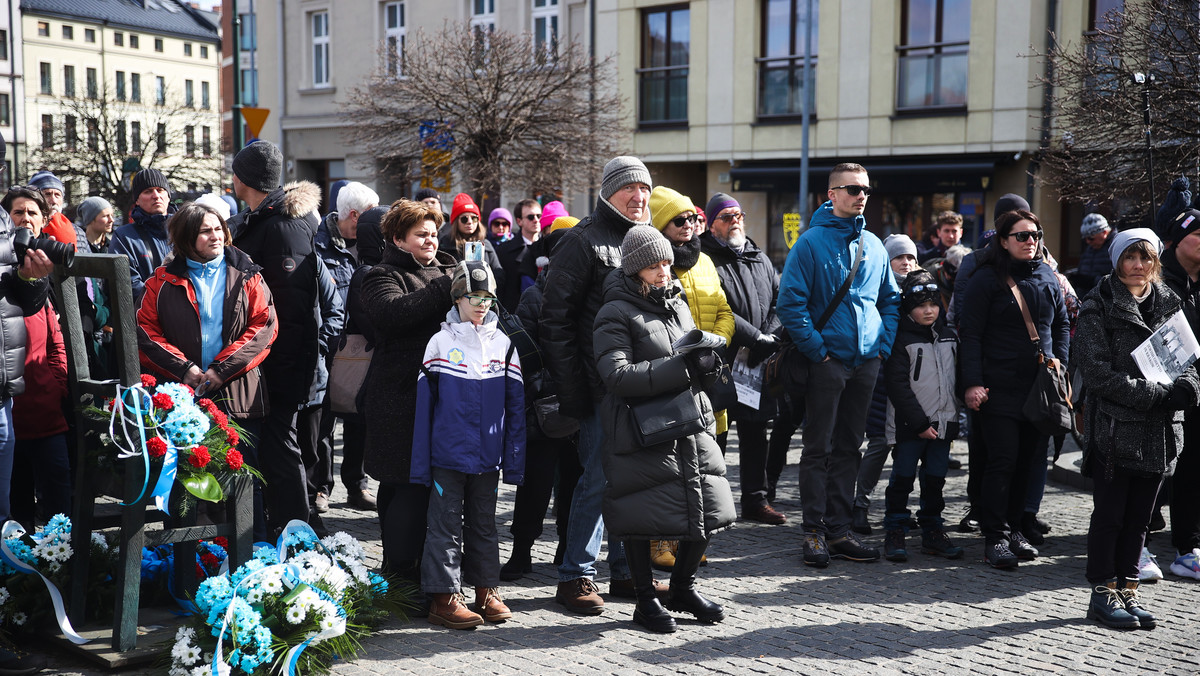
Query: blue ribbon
[[12, 529], [166, 479]]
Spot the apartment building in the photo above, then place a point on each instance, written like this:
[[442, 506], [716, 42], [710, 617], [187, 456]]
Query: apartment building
[[11, 114], [154, 64]]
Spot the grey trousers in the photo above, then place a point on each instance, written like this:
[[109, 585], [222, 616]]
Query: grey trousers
[[869, 470], [835, 422], [461, 543]]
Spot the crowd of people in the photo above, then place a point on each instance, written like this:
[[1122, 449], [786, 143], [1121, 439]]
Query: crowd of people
[[541, 350]]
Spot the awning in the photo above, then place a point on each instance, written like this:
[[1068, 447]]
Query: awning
[[952, 175]]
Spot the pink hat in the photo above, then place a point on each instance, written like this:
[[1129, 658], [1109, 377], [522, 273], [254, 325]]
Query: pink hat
[[552, 211]]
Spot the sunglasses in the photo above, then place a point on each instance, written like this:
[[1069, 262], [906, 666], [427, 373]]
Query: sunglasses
[[735, 216], [468, 218], [918, 288], [478, 301], [1035, 235], [680, 221], [854, 190], [532, 217]]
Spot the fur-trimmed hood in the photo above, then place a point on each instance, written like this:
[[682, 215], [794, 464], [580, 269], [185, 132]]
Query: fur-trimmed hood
[[299, 198]]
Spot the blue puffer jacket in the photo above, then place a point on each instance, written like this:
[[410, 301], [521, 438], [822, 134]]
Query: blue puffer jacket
[[146, 243], [332, 249], [864, 324]]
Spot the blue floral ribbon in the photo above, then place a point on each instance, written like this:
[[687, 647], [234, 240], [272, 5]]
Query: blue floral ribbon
[[12, 529], [166, 479]]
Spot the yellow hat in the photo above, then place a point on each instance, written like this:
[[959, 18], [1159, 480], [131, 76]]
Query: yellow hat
[[563, 222], [666, 204]]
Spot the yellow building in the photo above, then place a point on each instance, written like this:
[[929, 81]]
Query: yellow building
[[121, 83]]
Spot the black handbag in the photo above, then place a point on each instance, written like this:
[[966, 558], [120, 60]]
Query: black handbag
[[1048, 405], [722, 392], [785, 373], [666, 417], [552, 423]]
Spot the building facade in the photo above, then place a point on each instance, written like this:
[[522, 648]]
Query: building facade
[[12, 124]]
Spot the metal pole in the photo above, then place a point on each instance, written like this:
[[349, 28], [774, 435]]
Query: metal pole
[[235, 22], [1149, 146], [805, 109]]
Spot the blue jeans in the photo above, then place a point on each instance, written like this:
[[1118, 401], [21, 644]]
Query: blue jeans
[[586, 528], [934, 456], [8, 441]]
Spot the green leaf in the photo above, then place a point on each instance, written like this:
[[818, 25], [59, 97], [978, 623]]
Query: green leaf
[[204, 486]]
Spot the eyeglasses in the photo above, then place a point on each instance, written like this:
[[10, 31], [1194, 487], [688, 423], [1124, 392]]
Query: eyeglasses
[[735, 216], [680, 221], [481, 301], [918, 288], [533, 217], [501, 223], [854, 190], [468, 218], [1025, 236]]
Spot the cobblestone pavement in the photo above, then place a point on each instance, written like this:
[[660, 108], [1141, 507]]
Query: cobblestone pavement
[[926, 616]]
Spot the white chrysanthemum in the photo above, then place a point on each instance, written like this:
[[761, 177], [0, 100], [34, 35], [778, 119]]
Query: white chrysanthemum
[[19, 619], [359, 571], [308, 598], [295, 613], [337, 579], [41, 551], [186, 653], [180, 648], [335, 623], [54, 566], [99, 541], [61, 552], [4, 595], [178, 671], [271, 584], [254, 595]]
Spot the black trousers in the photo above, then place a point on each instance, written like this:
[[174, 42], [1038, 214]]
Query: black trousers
[[545, 459], [315, 433], [1121, 510], [976, 460], [762, 461], [403, 510], [354, 443], [1185, 509], [281, 464], [1011, 446]]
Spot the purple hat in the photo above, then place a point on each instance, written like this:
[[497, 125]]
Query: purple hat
[[718, 203], [552, 211], [500, 212]]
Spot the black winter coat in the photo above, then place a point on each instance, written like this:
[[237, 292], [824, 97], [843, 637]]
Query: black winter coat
[[574, 294], [676, 490], [1128, 422], [18, 299], [278, 235], [996, 350], [405, 303]]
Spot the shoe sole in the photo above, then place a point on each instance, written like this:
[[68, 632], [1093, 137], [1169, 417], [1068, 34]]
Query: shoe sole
[[581, 610], [1003, 565], [495, 618], [443, 622], [665, 628], [846, 557], [712, 619], [817, 563], [897, 558], [951, 556], [1093, 615], [1180, 571]]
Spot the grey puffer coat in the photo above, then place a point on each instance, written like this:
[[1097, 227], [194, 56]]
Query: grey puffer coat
[[1128, 423], [672, 491]]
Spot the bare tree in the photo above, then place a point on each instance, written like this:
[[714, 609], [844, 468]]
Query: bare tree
[[104, 141], [494, 108]]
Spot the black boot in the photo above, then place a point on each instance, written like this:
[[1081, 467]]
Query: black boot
[[520, 563], [683, 596], [649, 612]]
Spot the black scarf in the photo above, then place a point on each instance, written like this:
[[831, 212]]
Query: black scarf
[[686, 254]]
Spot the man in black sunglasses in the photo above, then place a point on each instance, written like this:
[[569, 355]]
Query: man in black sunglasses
[[845, 355]]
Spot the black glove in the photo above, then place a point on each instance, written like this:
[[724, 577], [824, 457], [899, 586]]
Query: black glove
[[764, 346], [702, 366], [1181, 396]]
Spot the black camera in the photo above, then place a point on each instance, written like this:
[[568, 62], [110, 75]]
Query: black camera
[[59, 253]]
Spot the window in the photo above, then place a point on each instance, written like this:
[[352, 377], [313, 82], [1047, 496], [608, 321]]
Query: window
[[47, 80], [3, 45], [120, 85], [932, 67], [187, 49], [71, 129], [483, 18], [160, 90], [47, 131], [189, 94], [394, 35], [93, 134], [135, 87], [662, 79], [135, 137], [319, 22], [204, 51], [119, 39], [93, 89], [781, 67], [122, 140], [545, 28], [1097, 9], [205, 98], [250, 87], [5, 110], [133, 42], [43, 29], [189, 140], [160, 139], [69, 81], [248, 32], [158, 44], [206, 141], [68, 32], [89, 34]]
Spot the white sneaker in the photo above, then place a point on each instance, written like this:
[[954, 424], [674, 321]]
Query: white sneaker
[[1148, 570], [1187, 565]]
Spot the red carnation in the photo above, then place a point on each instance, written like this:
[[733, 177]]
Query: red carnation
[[231, 436], [200, 572], [199, 456], [220, 418], [206, 404], [157, 447], [234, 459], [148, 381], [209, 560], [110, 404], [162, 401], [221, 541]]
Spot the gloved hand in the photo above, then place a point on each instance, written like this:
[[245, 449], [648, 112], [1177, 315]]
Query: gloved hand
[[702, 366], [764, 346], [1180, 396]]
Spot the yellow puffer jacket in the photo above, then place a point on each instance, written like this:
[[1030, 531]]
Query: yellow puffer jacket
[[710, 310]]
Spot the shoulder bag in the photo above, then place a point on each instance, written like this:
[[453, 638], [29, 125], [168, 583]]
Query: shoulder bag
[[1048, 405], [666, 417], [347, 372]]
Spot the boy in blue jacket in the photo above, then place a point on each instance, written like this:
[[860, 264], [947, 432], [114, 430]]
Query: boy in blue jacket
[[470, 424]]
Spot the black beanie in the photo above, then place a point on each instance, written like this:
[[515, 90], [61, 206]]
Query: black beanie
[[911, 297], [426, 193], [1008, 202], [259, 166], [370, 238], [148, 178]]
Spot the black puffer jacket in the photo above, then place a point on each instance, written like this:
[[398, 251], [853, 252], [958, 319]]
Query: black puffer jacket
[[18, 300], [574, 294], [676, 490], [1128, 423], [1177, 279], [751, 286], [278, 235]]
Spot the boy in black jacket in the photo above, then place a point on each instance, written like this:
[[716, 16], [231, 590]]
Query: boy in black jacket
[[922, 417]]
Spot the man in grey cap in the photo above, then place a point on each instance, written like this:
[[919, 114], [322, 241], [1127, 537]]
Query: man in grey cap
[[1094, 260], [574, 295]]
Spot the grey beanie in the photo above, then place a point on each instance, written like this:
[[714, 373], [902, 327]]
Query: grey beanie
[[146, 179], [1092, 224], [621, 171], [45, 179], [472, 276], [90, 208], [259, 166], [898, 245], [642, 247], [1122, 240]]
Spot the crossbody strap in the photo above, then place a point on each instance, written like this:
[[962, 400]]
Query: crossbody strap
[[1033, 334], [841, 292]]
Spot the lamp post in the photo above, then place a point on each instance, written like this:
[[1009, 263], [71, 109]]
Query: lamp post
[[1145, 80]]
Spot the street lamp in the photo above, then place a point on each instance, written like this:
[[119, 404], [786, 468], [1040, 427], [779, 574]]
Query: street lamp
[[1146, 80]]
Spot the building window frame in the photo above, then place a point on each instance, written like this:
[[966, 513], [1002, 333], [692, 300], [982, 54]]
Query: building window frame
[[205, 95], [5, 110], [665, 76], [3, 44], [187, 49], [46, 77], [158, 44], [43, 29], [118, 39], [89, 35], [248, 32], [395, 36], [206, 141], [135, 137], [47, 131], [160, 90], [483, 24], [160, 139], [249, 87], [545, 18], [204, 51], [789, 64], [120, 80], [71, 131], [122, 138], [68, 32], [189, 93], [936, 56], [318, 25], [133, 41], [135, 87], [92, 83], [69, 81], [189, 140]]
